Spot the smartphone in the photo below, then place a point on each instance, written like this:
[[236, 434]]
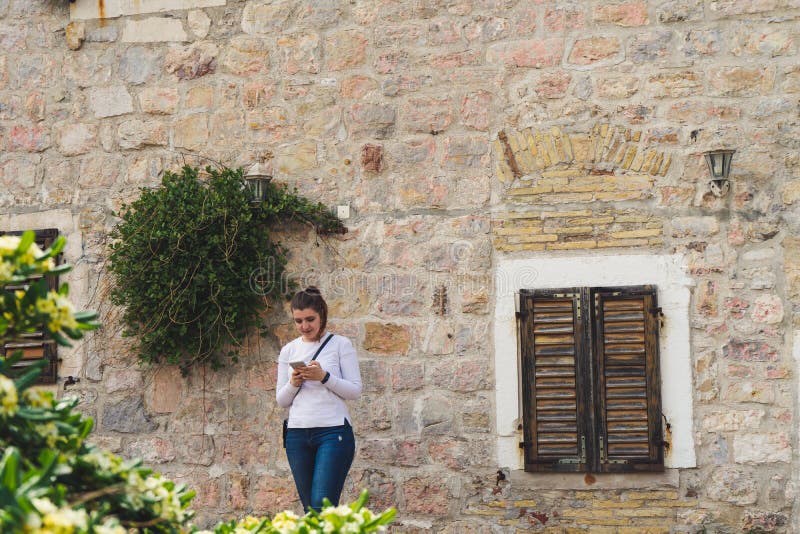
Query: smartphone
[[298, 364]]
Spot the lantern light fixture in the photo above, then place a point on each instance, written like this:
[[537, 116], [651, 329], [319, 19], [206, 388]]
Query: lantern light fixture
[[258, 177], [719, 166]]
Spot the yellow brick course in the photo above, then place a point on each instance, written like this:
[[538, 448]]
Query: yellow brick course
[[572, 245], [640, 495]]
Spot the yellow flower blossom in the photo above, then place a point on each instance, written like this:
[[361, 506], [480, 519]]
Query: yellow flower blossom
[[8, 396], [55, 520]]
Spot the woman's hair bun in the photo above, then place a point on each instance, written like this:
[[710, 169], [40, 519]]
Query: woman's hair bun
[[312, 290]]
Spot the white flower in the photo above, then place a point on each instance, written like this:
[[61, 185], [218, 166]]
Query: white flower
[[8, 244], [8, 396], [56, 520]]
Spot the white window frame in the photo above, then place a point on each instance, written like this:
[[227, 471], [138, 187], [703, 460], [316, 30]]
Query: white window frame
[[667, 272]]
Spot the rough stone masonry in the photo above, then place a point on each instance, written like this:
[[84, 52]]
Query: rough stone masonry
[[459, 132]]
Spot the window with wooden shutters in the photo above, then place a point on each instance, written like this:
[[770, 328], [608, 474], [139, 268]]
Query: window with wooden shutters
[[590, 379], [35, 346]]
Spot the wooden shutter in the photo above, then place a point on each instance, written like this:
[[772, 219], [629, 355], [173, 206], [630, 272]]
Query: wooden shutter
[[555, 385], [35, 346], [628, 399]]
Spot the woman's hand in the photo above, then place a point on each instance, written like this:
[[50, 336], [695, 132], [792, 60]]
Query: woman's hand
[[296, 378], [313, 371]]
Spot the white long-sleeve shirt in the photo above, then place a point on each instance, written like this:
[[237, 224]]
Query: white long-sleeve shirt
[[317, 404]]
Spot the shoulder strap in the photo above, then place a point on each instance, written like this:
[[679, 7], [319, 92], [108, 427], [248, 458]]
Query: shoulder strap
[[321, 347], [330, 336]]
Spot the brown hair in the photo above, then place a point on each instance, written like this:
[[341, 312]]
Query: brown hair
[[311, 297]]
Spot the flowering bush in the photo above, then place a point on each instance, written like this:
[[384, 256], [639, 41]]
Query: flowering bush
[[344, 519], [51, 480]]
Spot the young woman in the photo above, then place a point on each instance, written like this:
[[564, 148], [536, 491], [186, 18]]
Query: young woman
[[319, 440]]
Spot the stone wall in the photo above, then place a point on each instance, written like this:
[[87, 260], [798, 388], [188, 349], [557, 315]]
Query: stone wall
[[458, 132]]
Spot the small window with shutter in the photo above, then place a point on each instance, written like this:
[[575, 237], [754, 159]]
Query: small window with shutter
[[36, 346], [590, 379]]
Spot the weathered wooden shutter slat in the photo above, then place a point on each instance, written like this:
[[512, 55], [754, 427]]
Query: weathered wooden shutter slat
[[628, 398], [552, 346]]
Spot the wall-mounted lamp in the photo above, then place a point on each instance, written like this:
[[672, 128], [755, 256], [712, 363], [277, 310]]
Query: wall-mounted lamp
[[258, 177], [719, 165]]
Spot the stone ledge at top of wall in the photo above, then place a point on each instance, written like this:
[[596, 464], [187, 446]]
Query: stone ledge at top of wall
[[108, 9]]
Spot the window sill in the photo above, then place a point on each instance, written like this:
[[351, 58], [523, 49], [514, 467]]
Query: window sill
[[598, 481]]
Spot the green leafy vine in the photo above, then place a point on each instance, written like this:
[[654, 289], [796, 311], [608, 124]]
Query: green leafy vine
[[193, 262]]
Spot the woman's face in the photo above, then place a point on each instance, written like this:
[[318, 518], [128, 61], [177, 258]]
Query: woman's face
[[307, 323]]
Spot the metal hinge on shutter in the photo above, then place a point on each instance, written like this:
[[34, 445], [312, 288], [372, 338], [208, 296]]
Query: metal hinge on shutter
[[581, 460], [604, 455]]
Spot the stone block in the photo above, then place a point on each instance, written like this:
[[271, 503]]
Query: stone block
[[159, 100], [650, 46], [373, 375], [238, 496], [153, 30], [463, 376], [677, 84], [391, 452], [110, 101], [593, 50], [380, 484], [139, 64], [345, 50], [407, 376], [28, 138], [751, 351], [356, 87], [741, 81], [560, 19], [74, 138], [465, 152], [767, 309], [426, 496], [733, 421], [300, 53], [191, 132], [198, 23], [246, 56], [475, 110], [428, 115], [386, 338], [18, 172], [487, 29], [151, 450], [749, 391], [135, 134], [617, 87], [273, 494], [296, 158], [372, 158], [679, 11], [371, 120], [762, 447], [694, 226], [531, 53], [75, 33], [122, 380], [127, 416], [192, 61], [626, 14], [165, 389], [267, 19]]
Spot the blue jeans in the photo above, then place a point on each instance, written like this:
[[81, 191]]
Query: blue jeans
[[320, 458]]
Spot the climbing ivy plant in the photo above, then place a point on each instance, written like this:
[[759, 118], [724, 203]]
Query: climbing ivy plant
[[193, 262]]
